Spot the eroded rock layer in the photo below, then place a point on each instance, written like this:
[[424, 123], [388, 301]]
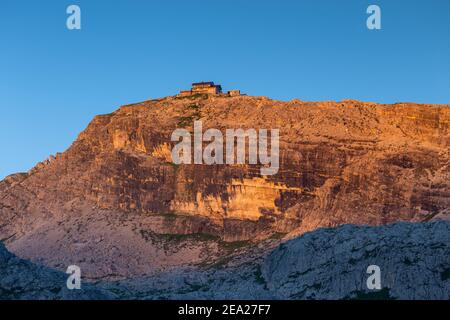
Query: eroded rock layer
[[340, 162]]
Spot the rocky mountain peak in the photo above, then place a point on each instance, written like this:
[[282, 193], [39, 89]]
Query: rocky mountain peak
[[115, 193]]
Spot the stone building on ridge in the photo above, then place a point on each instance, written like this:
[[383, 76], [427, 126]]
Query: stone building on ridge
[[207, 88]]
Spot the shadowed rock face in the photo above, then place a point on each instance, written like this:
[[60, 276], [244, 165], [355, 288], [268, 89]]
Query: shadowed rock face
[[340, 162], [23, 280], [414, 262], [414, 259]]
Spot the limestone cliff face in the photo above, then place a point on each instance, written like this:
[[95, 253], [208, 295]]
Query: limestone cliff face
[[340, 162]]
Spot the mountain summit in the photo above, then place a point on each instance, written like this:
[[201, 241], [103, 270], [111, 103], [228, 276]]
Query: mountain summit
[[116, 204]]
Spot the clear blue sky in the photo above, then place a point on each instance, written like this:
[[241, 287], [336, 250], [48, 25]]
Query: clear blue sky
[[53, 81]]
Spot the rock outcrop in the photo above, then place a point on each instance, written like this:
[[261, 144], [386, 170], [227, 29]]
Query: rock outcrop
[[414, 262], [106, 203]]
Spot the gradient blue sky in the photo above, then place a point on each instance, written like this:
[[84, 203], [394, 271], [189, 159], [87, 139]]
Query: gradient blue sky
[[53, 81]]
